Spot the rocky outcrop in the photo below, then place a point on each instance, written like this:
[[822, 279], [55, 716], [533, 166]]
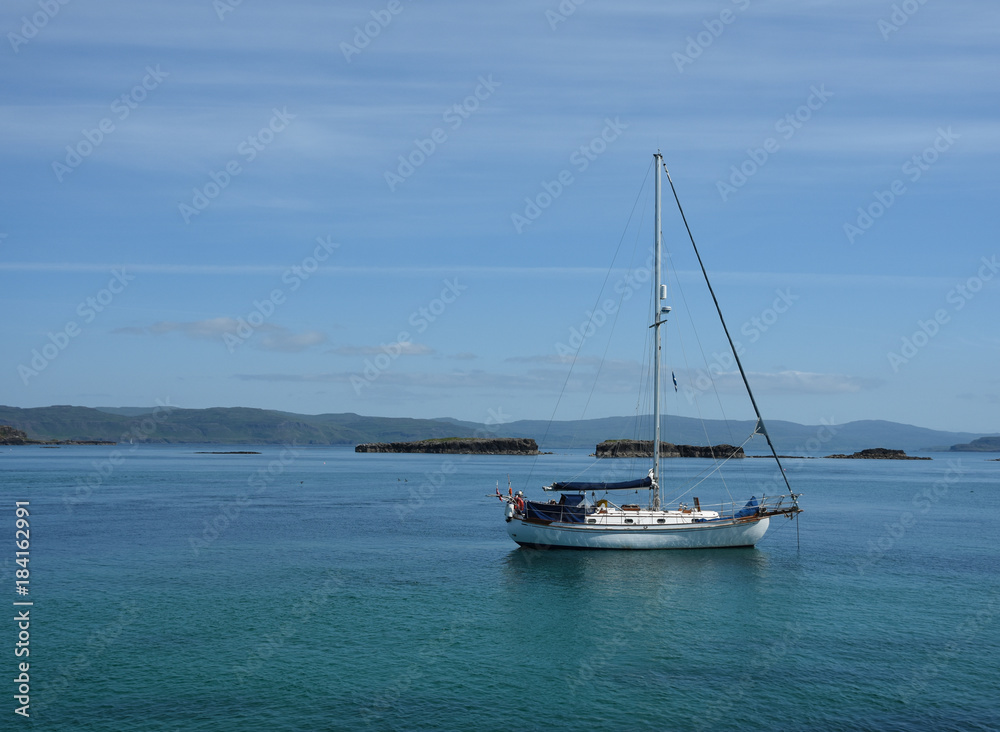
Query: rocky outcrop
[[11, 436], [878, 453], [644, 448], [458, 446]]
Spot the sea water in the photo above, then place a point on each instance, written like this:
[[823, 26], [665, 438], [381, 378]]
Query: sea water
[[318, 589]]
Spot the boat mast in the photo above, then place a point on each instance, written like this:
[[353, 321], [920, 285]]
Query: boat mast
[[659, 294]]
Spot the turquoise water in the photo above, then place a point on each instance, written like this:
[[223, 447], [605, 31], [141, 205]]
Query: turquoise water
[[317, 589]]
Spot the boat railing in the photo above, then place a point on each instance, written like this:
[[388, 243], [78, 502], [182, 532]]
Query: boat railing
[[785, 503]]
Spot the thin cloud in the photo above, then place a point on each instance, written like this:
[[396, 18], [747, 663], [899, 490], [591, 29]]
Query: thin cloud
[[783, 382], [450, 380], [272, 337], [283, 340], [555, 359], [211, 329], [987, 398], [398, 348], [801, 382]]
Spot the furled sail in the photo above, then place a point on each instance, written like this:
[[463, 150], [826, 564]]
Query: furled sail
[[583, 486]]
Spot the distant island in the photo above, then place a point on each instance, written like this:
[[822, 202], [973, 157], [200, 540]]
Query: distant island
[[983, 444], [167, 424], [878, 453], [11, 436], [458, 446], [644, 448]]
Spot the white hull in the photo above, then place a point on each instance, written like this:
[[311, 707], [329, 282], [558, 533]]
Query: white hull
[[678, 536]]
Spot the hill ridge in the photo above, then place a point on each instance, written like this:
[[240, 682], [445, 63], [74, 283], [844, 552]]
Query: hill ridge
[[252, 425]]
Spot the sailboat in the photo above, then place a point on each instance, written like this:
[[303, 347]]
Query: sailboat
[[576, 522]]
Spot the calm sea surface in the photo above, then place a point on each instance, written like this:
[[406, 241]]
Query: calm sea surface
[[319, 589]]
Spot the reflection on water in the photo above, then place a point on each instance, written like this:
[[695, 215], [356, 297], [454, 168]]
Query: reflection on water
[[610, 571], [659, 597]]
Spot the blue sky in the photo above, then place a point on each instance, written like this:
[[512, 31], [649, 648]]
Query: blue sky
[[330, 207]]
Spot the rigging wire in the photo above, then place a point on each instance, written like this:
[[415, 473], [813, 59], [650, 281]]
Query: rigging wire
[[760, 420], [621, 298], [707, 472], [576, 354], [697, 404], [708, 369]]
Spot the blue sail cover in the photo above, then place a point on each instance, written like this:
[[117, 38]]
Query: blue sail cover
[[571, 509], [748, 510], [624, 485]]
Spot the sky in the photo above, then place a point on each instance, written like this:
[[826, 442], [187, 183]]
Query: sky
[[443, 209]]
